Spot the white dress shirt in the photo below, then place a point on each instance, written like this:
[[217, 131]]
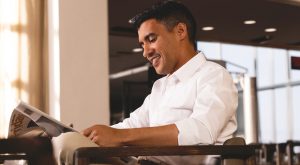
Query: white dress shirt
[[200, 98]]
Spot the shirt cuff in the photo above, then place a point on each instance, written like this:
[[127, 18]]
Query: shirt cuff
[[192, 131]]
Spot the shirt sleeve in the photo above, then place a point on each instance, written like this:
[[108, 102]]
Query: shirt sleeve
[[139, 118], [214, 110]]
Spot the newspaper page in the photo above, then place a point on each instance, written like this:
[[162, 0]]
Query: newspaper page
[[20, 124], [26, 118]]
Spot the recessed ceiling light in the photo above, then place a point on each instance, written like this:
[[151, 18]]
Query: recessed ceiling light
[[207, 28], [130, 21], [137, 50], [250, 22], [270, 30]]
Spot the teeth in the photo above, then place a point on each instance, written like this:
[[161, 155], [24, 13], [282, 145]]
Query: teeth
[[153, 60]]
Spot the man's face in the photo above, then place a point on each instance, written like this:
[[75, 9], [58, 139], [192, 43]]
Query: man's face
[[160, 46]]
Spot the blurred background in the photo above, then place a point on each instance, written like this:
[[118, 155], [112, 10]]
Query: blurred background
[[80, 61]]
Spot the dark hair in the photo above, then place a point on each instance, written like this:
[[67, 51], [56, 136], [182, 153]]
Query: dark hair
[[170, 14]]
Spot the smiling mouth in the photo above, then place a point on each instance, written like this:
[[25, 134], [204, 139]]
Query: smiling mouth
[[155, 59]]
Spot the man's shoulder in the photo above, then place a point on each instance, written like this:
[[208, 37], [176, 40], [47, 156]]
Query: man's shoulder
[[209, 67], [211, 70], [213, 65]]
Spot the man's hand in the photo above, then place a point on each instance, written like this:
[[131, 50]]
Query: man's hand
[[148, 136], [104, 136]]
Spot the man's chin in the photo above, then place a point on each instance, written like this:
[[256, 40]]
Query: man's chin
[[161, 73], [158, 71]]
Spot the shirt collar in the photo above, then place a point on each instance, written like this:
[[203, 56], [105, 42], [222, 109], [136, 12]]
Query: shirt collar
[[189, 68]]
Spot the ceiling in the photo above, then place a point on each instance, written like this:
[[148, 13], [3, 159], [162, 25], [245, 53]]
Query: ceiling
[[226, 16]]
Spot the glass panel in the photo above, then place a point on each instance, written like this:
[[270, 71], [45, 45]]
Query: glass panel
[[239, 114], [281, 118], [209, 49], [280, 66], [240, 55], [265, 111], [264, 67], [296, 112], [295, 74]]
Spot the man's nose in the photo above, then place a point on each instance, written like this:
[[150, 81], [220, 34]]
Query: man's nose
[[147, 51]]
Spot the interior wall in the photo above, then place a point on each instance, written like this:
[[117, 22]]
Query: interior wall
[[84, 75]]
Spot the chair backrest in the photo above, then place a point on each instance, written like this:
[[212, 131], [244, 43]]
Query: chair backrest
[[232, 160], [290, 151], [258, 151]]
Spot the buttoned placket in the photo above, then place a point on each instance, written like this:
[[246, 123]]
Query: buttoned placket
[[170, 84]]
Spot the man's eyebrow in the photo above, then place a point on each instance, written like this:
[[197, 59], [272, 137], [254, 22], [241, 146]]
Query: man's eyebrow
[[147, 37]]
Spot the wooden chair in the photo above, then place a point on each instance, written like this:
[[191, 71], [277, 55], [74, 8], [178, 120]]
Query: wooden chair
[[233, 152], [264, 153], [281, 152], [290, 151], [36, 151], [258, 152], [267, 153]]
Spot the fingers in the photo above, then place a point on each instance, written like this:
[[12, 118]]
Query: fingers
[[87, 131], [95, 139], [92, 135], [94, 132]]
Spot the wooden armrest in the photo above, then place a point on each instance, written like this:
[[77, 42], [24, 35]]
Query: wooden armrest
[[294, 144], [82, 155], [35, 150], [256, 145]]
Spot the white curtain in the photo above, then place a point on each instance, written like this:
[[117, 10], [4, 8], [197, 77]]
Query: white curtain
[[23, 56]]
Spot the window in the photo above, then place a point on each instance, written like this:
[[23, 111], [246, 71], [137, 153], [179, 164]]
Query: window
[[296, 112], [281, 115], [209, 49], [264, 67], [266, 115], [280, 66], [240, 55]]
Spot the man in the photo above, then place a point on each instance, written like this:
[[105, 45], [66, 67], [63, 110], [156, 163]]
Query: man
[[194, 104]]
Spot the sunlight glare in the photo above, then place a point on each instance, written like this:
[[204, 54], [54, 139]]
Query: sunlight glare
[[11, 55], [55, 15], [24, 59], [54, 59], [23, 19], [24, 95]]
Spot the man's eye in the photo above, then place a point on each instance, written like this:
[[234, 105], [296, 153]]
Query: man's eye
[[153, 40]]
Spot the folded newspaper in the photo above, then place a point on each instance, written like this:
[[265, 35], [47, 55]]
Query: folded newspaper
[[26, 119]]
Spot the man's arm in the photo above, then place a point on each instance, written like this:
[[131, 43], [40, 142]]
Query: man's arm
[[149, 136]]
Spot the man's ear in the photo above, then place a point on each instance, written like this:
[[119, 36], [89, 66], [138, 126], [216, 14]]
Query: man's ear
[[181, 31]]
